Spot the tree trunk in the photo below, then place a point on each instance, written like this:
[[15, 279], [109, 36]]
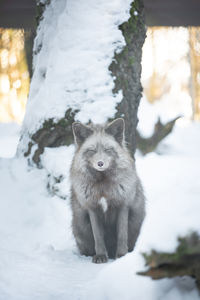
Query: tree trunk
[[126, 67], [44, 128], [28, 41]]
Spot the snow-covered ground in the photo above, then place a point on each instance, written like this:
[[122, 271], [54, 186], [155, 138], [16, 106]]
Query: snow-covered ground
[[38, 256], [9, 137]]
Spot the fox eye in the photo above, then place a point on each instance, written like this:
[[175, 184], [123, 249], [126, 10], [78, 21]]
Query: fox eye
[[91, 151], [108, 149]]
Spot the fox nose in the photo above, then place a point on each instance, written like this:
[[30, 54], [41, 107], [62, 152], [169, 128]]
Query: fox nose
[[100, 164]]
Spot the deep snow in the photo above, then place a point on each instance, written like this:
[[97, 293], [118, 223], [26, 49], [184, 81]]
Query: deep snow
[[38, 256]]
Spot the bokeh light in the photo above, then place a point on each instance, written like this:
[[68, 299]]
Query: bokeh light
[[14, 75], [170, 71]]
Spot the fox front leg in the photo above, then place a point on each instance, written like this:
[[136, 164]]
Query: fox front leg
[[122, 231], [98, 232]]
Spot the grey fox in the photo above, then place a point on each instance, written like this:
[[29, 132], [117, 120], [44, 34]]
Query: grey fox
[[107, 199]]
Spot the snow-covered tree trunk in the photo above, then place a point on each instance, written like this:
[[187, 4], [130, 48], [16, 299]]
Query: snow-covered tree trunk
[[87, 66], [126, 67]]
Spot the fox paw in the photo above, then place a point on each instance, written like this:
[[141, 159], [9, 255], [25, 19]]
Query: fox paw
[[99, 259], [121, 253]]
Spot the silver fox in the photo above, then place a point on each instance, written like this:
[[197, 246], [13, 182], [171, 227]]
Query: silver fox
[[107, 200]]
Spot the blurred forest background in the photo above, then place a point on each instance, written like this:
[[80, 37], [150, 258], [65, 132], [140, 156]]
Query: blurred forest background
[[170, 77], [171, 70]]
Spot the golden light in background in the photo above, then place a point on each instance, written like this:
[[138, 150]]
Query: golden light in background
[[171, 71], [171, 68], [156, 85], [14, 75], [194, 40]]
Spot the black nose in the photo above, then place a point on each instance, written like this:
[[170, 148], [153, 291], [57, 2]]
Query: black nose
[[100, 163]]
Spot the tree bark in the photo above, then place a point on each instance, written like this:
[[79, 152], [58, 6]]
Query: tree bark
[[29, 38], [184, 261], [126, 69]]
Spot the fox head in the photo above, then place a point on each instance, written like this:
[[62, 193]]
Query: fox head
[[99, 146]]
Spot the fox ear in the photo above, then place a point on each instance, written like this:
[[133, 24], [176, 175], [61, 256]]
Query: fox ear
[[81, 132], [116, 129]]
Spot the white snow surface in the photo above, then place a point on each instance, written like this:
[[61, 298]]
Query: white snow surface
[[9, 137], [38, 256], [77, 42]]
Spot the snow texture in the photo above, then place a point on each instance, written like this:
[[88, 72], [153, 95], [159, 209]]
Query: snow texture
[[9, 137], [39, 259], [75, 45]]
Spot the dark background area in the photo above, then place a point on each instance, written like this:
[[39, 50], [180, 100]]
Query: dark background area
[[21, 13]]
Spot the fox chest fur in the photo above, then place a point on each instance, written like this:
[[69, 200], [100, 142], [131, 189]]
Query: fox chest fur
[[104, 191]]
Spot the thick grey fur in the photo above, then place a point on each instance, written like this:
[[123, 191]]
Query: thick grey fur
[[108, 203]]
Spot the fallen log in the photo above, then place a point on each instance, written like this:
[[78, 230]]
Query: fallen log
[[185, 261]]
